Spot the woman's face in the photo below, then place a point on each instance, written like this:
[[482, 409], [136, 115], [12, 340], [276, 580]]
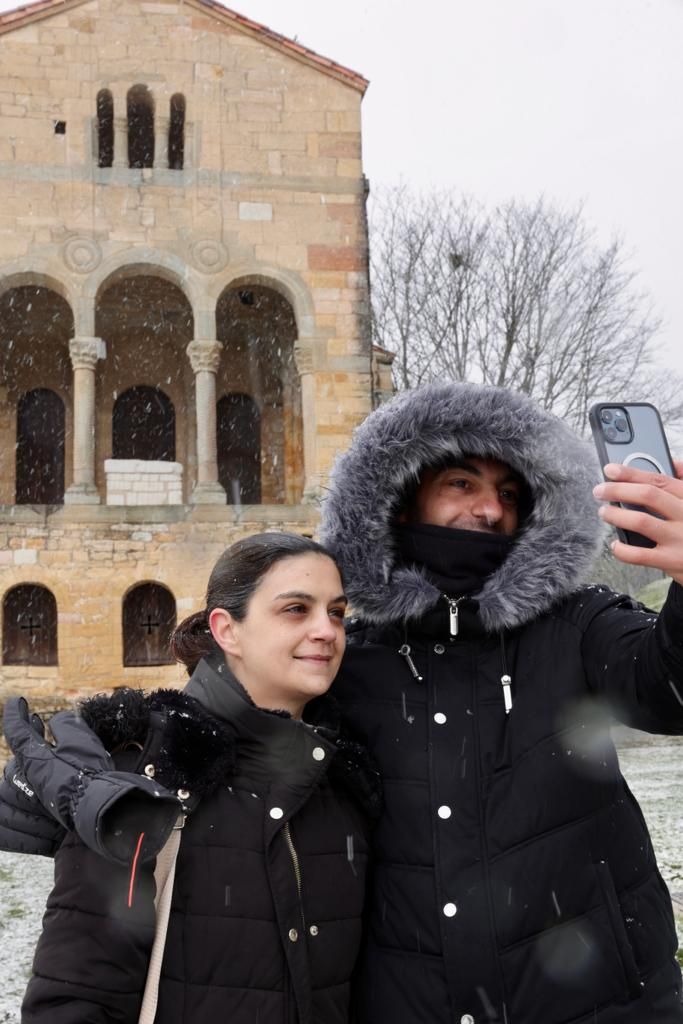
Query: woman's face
[[288, 647]]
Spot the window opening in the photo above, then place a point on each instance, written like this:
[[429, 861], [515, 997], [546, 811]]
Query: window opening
[[40, 448], [149, 618], [176, 133], [60, 127], [105, 128], [238, 444], [29, 626], [143, 425], [140, 111]]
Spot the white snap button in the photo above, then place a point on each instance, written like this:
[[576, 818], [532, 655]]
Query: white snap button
[[293, 935], [444, 812], [439, 648], [318, 754], [183, 794], [276, 812], [450, 910], [313, 929], [150, 771], [440, 718], [467, 1018]]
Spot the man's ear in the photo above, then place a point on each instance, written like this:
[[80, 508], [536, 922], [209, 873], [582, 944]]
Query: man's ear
[[223, 629]]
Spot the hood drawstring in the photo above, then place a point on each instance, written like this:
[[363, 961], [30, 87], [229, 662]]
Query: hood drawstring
[[404, 651], [506, 678]]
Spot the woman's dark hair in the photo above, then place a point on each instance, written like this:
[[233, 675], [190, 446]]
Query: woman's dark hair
[[232, 582]]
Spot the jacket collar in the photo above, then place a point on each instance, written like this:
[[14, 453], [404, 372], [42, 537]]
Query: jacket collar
[[553, 551]]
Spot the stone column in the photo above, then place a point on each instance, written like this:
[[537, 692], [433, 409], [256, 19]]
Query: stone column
[[204, 357], [84, 354], [161, 126], [120, 141]]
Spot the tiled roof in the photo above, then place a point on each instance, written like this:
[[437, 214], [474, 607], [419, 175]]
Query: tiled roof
[[24, 15]]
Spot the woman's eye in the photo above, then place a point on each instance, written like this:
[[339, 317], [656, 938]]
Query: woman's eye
[[338, 613], [296, 609]]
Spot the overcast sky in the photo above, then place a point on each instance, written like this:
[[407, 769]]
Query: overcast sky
[[578, 101]]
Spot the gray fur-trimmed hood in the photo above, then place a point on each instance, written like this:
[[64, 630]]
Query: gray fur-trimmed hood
[[555, 547]]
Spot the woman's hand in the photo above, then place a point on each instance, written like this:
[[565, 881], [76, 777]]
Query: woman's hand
[[661, 520]]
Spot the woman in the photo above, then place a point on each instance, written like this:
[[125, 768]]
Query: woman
[[265, 916]]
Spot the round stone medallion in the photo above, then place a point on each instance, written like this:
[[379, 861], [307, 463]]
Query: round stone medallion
[[82, 255], [209, 256]]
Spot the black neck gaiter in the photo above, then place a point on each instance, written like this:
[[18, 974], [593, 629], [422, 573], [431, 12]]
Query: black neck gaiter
[[456, 561]]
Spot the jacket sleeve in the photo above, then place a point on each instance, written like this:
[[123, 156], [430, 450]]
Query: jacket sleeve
[[25, 825], [634, 658], [91, 960]]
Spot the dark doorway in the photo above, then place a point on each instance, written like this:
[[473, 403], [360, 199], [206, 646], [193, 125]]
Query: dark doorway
[[149, 618], [143, 425], [40, 448], [238, 444], [29, 626]]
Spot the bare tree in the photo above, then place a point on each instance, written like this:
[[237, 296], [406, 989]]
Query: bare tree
[[521, 296]]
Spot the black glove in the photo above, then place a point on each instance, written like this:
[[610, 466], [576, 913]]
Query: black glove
[[25, 825], [116, 814]]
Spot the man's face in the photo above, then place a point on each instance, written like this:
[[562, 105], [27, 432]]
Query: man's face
[[475, 494]]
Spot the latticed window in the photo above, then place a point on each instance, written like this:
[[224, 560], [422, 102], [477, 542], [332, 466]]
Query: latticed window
[[149, 618], [40, 448], [29, 626], [238, 445], [143, 425]]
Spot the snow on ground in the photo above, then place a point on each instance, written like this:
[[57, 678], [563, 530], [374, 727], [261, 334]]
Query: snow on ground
[[652, 765]]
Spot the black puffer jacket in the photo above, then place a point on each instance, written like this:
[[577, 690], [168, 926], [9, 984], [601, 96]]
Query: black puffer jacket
[[515, 881], [266, 913]]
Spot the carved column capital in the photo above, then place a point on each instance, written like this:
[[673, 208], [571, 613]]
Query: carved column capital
[[85, 352], [204, 355]]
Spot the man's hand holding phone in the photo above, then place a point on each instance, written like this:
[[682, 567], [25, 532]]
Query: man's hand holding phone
[[660, 518]]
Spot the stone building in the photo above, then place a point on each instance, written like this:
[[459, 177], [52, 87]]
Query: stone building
[[184, 342]]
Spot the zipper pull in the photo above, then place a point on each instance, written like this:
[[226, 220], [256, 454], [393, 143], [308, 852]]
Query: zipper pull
[[404, 651], [506, 682], [453, 623]]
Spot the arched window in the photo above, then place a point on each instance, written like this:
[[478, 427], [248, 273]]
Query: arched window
[[149, 618], [176, 133], [238, 444], [29, 626], [140, 104], [105, 128], [40, 448], [143, 425]]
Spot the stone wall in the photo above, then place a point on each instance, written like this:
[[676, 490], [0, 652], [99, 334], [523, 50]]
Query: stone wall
[[136, 482]]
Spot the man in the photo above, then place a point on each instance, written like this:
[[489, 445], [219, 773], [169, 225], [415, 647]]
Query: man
[[514, 878], [515, 882]]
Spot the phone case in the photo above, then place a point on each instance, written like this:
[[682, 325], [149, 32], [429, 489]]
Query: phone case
[[646, 448]]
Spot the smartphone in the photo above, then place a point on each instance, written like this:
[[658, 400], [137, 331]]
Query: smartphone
[[631, 433]]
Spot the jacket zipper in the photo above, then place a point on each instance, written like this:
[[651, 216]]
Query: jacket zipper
[[453, 614], [297, 867]]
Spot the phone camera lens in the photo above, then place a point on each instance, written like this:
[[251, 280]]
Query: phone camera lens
[[621, 424], [611, 434], [606, 415]]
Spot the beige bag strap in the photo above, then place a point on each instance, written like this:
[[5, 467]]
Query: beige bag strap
[[164, 875]]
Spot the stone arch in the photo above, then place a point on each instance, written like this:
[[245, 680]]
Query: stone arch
[[36, 326], [287, 283], [29, 625], [141, 262], [147, 323], [148, 615], [14, 275], [256, 325]]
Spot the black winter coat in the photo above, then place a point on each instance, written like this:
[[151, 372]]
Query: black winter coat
[[265, 918], [514, 881]]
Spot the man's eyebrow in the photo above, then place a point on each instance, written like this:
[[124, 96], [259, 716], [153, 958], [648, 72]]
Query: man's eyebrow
[[301, 595]]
